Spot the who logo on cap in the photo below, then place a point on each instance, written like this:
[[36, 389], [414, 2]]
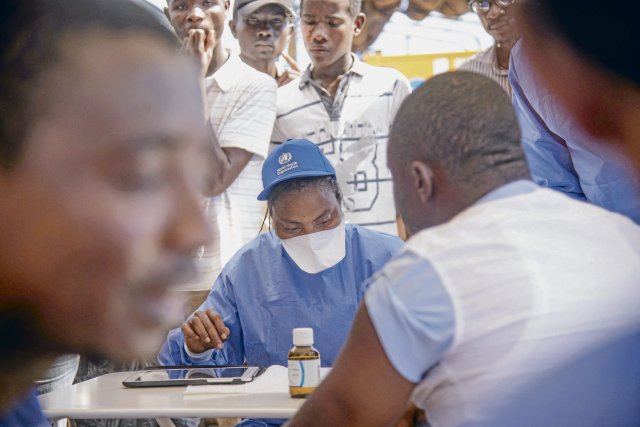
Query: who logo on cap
[[296, 158]]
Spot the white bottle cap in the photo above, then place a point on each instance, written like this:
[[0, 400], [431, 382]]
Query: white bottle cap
[[303, 337]]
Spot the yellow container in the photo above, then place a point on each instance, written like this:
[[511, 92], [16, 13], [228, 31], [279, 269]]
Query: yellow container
[[420, 66]]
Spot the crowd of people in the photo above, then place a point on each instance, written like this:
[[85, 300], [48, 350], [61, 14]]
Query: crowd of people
[[158, 185]]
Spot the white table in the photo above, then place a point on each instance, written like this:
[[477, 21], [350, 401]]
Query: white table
[[106, 397]]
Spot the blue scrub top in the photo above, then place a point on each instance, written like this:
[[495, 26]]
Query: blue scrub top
[[564, 157], [262, 295], [27, 412]]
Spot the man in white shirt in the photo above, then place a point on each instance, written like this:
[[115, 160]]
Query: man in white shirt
[[241, 103], [346, 107], [500, 283]]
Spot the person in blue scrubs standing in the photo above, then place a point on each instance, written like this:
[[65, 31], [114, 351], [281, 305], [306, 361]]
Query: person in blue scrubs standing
[[309, 270], [562, 154]]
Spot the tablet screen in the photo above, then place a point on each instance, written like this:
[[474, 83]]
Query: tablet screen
[[191, 376]]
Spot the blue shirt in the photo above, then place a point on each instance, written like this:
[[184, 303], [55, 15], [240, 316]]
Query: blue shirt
[[262, 295], [411, 309], [564, 157], [27, 412]]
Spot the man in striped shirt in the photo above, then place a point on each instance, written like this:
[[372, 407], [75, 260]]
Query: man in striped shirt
[[497, 18], [241, 104], [346, 107]]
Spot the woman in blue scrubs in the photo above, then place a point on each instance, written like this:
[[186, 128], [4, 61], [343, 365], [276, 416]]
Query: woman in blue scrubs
[[310, 270]]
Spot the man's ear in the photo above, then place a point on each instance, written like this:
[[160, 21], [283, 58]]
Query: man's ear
[[226, 5], [422, 180], [232, 27], [358, 23]]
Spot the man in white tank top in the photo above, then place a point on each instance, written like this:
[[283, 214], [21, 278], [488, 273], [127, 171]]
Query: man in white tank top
[[500, 282]]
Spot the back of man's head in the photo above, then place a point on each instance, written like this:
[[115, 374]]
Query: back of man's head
[[463, 124], [462, 128], [30, 45]]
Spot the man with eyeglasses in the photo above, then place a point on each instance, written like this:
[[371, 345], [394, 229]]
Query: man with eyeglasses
[[497, 18]]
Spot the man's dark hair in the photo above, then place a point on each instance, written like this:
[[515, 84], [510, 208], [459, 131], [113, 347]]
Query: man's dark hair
[[355, 7], [31, 33], [464, 124], [299, 184], [601, 33]]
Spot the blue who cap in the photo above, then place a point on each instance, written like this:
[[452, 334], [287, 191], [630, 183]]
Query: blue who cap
[[296, 158]]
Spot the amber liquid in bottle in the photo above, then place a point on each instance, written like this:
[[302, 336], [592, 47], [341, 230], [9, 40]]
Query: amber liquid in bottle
[[304, 370]]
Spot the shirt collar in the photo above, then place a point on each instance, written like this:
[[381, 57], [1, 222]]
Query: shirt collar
[[358, 67], [514, 188], [494, 62], [227, 75]]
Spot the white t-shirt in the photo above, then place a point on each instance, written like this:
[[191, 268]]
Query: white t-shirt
[[242, 110], [509, 289], [352, 130]]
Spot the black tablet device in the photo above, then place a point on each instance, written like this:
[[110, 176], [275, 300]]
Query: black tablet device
[[167, 376]]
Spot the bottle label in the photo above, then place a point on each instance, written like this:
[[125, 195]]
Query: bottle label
[[304, 373]]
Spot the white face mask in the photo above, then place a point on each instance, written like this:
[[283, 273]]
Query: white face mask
[[316, 252]]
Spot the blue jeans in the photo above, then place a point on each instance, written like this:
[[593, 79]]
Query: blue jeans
[[60, 374]]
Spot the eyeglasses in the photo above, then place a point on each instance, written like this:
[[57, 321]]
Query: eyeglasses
[[483, 6]]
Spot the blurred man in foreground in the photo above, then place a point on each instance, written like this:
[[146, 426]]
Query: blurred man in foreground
[[101, 136], [576, 58]]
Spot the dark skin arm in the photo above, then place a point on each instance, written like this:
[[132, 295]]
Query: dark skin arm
[[291, 73], [226, 165], [363, 388], [204, 331]]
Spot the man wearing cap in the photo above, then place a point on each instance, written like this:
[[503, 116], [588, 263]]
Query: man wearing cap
[[241, 104], [309, 271], [346, 107], [263, 28]]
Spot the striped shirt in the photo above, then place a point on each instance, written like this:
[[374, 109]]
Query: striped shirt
[[242, 110], [486, 63], [352, 129]]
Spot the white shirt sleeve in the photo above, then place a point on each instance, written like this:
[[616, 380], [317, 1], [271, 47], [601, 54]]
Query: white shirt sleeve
[[412, 314], [250, 124], [401, 89]]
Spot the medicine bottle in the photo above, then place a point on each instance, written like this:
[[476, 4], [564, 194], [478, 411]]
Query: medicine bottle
[[304, 364]]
